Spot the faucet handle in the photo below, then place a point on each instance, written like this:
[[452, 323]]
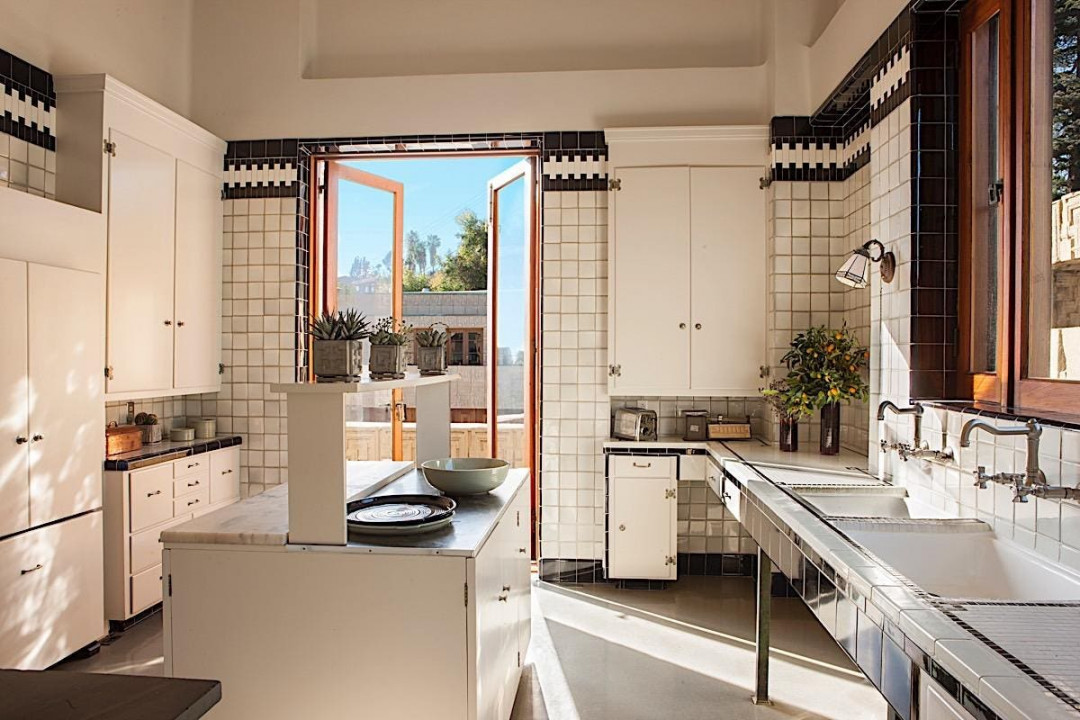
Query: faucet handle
[[980, 477]]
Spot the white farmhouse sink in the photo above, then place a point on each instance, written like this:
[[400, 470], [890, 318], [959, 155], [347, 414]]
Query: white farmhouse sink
[[793, 477], [869, 504], [964, 561]]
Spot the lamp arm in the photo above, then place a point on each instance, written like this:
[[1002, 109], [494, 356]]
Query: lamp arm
[[875, 244]]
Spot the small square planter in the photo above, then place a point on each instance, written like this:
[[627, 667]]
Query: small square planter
[[337, 360], [387, 362], [431, 360]]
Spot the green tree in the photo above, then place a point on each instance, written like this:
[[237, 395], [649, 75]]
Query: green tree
[[414, 251], [1066, 119], [466, 268], [434, 242], [361, 267]]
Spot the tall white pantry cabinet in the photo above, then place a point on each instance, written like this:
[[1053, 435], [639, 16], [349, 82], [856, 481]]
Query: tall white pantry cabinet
[[52, 288], [687, 260], [157, 177]]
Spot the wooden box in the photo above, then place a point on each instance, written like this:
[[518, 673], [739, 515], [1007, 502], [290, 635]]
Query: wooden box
[[122, 439], [729, 430]]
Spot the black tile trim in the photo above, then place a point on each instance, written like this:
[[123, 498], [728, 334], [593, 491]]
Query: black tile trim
[[1069, 422], [571, 571], [197, 447], [32, 85]]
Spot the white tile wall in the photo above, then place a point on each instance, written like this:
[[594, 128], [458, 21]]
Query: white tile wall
[[259, 340], [26, 167]]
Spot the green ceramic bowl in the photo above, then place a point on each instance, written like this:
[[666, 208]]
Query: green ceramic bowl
[[465, 476]]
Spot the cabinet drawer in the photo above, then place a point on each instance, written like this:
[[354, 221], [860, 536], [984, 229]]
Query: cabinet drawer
[[192, 483], [145, 589], [41, 572], [151, 496], [189, 465], [192, 502], [224, 475], [146, 546], [643, 466]]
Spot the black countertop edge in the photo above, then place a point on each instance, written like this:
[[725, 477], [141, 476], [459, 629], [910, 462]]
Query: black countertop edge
[[138, 458], [1049, 419]]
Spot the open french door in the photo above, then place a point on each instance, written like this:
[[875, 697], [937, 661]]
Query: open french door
[[512, 313], [376, 291]]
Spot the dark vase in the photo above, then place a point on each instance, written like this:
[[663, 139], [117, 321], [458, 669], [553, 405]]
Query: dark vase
[[789, 435], [830, 429]]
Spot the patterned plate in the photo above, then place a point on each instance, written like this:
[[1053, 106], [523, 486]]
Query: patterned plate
[[393, 514]]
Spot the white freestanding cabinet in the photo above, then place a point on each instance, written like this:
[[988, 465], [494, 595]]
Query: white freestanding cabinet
[[642, 508], [157, 177], [52, 261], [687, 261]]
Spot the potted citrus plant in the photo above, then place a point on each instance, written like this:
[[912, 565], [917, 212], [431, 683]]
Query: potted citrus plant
[[431, 349], [825, 369], [337, 352], [387, 360]]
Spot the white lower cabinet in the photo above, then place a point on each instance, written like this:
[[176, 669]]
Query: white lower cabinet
[[935, 703], [50, 592], [139, 504], [642, 507]]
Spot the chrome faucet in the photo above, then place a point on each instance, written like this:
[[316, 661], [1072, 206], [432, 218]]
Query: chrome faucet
[[1032, 481], [917, 449]]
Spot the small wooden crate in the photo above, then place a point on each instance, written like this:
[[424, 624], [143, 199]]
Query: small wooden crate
[[729, 430], [122, 439]]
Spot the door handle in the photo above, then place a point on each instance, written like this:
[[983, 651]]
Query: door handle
[[502, 598], [180, 323], [20, 440], [156, 492], [682, 326], [523, 550], [168, 323], [193, 484], [646, 465], [33, 569], [38, 438], [697, 326]]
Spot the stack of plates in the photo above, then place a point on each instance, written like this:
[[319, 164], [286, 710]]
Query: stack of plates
[[399, 514]]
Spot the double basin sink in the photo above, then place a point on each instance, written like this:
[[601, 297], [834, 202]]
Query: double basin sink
[[941, 553]]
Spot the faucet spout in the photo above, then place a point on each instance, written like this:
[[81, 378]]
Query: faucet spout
[[916, 409], [1031, 429]]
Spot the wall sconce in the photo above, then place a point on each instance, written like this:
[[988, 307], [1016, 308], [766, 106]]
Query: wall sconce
[[856, 269]]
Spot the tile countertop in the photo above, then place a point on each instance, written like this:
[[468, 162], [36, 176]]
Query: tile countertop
[[752, 451], [167, 450], [263, 519]]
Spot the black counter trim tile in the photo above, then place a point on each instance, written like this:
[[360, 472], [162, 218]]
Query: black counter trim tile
[[198, 447], [1049, 419], [31, 87], [571, 571]]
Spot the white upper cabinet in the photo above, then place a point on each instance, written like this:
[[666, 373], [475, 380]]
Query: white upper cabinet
[[14, 422], [687, 261], [198, 277], [158, 179]]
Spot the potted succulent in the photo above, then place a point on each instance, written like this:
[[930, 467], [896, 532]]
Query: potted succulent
[[431, 349], [148, 425], [337, 355], [789, 408], [387, 361], [825, 370]]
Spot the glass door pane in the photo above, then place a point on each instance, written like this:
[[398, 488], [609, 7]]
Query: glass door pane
[[510, 286], [364, 214]]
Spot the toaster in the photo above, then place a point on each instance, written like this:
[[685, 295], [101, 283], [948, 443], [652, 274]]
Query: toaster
[[634, 424]]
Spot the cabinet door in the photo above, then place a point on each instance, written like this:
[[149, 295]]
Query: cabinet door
[[140, 284], [224, 475], [727, 261], [198, 278], [14, 432], [496, 643], [650, 280], [642, 528], [51, 592], [67, 425]]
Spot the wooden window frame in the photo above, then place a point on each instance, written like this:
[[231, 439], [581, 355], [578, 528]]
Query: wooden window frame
[[1011, 385]]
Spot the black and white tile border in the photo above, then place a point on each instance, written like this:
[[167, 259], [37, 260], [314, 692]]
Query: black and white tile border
[[28, 109]]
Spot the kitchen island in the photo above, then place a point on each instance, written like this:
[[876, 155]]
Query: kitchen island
[[431, 626]]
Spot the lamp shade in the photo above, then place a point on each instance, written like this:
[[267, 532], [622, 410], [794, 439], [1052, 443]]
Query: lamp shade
[[855, 271]]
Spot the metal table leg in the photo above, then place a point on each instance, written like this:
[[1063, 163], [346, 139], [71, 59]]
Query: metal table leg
[[764, 612]]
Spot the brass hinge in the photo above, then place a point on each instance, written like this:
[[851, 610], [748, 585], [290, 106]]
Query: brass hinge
[[224, 195], [221, 368], [110, 148], [109, 372], [466, 594], [995, 192], [614, 370], [764, 182], [170, 584], [670, 560], [519, 658], [669, 494], [518, 519], [614, 184]]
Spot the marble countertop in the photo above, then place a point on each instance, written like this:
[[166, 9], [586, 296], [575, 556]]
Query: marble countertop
[[753, 451], [264, 519], [166, 450]]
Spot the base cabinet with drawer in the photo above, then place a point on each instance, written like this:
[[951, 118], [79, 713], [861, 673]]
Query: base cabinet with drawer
[[642, 509], [139, 504]]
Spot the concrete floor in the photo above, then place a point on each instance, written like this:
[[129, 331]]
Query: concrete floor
[[599, 653]]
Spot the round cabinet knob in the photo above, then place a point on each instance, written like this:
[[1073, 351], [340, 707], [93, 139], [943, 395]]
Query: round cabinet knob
[[168, 323], [21, 440], [37, 438], [622, 528], [180, 323], [682, 326], [697, 326]]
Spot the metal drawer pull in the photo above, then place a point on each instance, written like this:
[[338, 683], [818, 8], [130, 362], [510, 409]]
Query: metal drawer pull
[[192, 502], [646, 465], [156, 492], [193, 484], [502, 598], [227, 472], [191, 465], [33, 569], [36, 438], [506, 588], [523, 550]]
